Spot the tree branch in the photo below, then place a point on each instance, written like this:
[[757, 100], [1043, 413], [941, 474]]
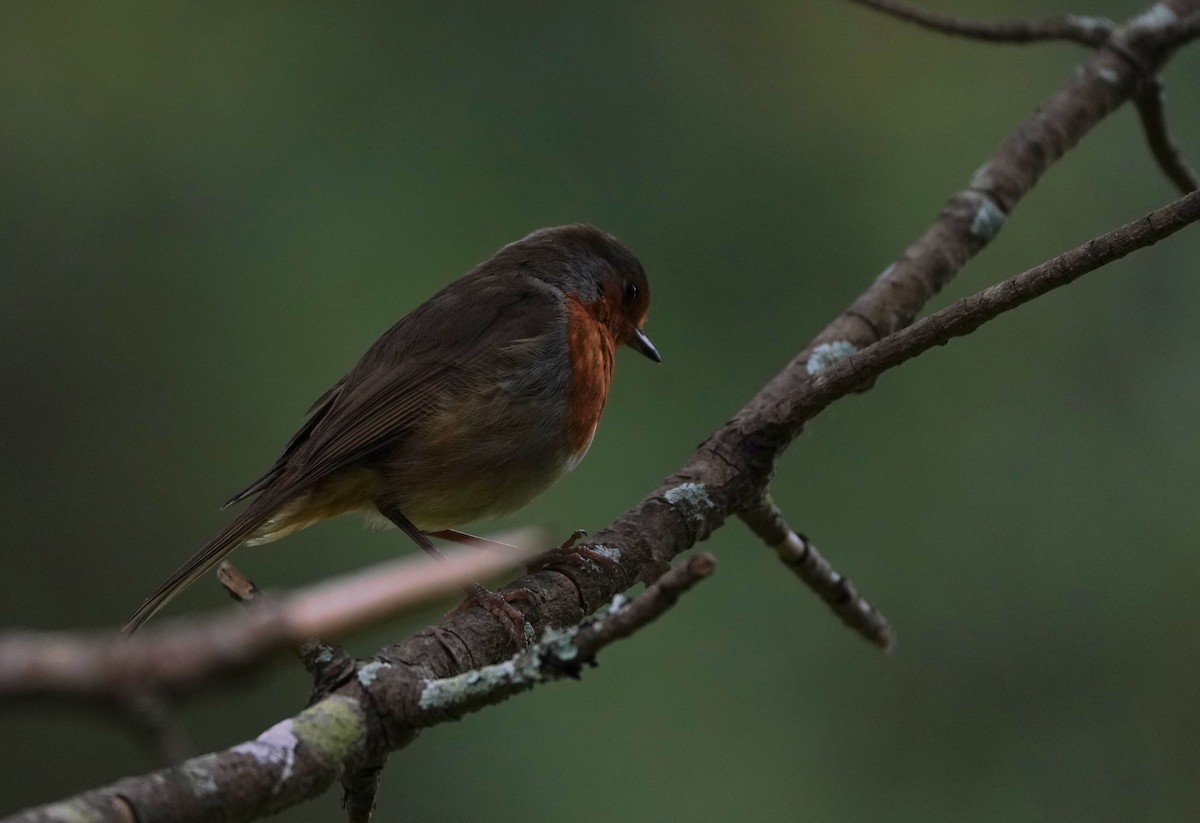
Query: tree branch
[[766, 520], [1087, 31], [558, 654], [966, 315], [1187, 30], [328, 664], [182, 655], [1151, 111]]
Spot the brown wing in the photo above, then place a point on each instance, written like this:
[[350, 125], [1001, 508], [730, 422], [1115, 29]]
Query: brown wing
[[446, 342], [443, 345]]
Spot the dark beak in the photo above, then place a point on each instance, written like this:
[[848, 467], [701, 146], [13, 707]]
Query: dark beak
[[641, 343]]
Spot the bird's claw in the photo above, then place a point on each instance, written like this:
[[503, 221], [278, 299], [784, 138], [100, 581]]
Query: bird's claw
[[571, 555], [500, 605]]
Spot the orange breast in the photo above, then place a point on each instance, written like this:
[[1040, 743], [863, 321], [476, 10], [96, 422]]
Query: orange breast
[[591, 349]]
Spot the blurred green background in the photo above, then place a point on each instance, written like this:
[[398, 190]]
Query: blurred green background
[[209, 210]]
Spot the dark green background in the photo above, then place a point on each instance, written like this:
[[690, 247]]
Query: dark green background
[[209, 210]]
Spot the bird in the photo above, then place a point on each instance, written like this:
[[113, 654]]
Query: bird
[[474, 403]]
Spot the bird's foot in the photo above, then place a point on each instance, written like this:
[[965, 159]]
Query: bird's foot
[[569, 555], [500, 605]]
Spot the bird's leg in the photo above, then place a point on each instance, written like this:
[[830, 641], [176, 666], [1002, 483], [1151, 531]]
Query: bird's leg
[[494, 603], [574, 538], [464, 539]]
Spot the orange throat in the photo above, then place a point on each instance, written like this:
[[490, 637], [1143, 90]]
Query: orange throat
[[591, 350]]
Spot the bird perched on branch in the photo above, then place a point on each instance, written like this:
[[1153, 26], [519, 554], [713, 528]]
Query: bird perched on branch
[[470, 406]]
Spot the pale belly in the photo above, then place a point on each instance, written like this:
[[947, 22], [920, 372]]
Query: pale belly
[[482, 459]]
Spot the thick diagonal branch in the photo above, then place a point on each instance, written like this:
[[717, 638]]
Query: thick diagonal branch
[[558, 654]]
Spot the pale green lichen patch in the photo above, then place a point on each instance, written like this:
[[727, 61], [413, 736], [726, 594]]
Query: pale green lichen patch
[[368, 673], [694, 495], [1158, 15], [1095, 26], [513, 675], [826, 354], [560, 643], [199, 775], [988, 220], [335, 727], [449, 692], [72, 811], [692, 502]]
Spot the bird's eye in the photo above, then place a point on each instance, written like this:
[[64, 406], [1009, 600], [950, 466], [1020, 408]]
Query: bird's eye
[[631, 293]]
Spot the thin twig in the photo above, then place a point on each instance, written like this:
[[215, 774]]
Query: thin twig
[[360, 787], [159, 725], [560, 653], [1087, 31], [1151, 110], [240, 588], [327, 663], [801, 556]]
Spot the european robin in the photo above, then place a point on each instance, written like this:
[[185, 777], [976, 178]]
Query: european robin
[[470, 406]]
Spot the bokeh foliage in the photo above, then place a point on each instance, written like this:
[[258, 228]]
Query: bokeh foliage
[[209, 210]]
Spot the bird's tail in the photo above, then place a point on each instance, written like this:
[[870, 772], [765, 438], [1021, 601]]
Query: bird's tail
[[237, 532]]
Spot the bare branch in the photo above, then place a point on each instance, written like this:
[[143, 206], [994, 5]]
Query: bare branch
[[374, 594], [966, 315], [1087, 31], [1151, 110], [327, 663], [185, 654], [802, 557], [240, 588], [160, 726]]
